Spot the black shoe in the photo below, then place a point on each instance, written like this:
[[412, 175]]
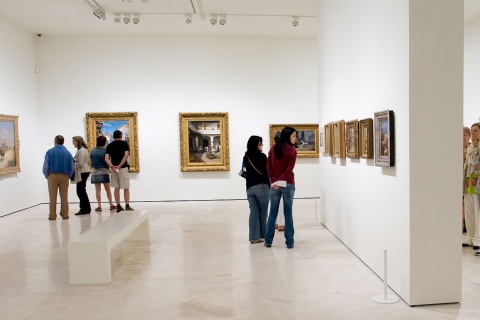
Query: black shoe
[[476, 247], [477, 254], [465, 245], [290, 247], [79, 213], [268, 245], [128, 208], [119, 208]]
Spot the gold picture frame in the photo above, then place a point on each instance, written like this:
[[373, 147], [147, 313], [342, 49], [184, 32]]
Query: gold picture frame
[[366, 138], [9, 145], [105, 123], [204, 141], [327, 130], [339, 139], [307, 139], [351, 139]]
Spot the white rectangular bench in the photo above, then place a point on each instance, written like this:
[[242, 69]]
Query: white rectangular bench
[[89, 254]]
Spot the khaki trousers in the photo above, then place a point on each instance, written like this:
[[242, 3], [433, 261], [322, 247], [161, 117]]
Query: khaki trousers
[[58, 182]]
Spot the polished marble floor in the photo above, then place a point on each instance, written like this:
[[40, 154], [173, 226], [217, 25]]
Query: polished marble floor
[[199, 264]]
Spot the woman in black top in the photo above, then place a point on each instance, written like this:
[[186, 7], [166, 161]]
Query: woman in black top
[[258, 188]]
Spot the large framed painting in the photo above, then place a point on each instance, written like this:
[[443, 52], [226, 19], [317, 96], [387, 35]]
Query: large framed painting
[[204, 142], [9, 145], [105, 123], [384, 139], [366, 138], [307, 145], [351, 139], [327, 130], [339, 139]]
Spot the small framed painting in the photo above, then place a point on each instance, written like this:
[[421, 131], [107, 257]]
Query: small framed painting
[[327, 130], [384, 139], [339, 139], [351, 139], [204, 141], [366, 138], [9, 145]]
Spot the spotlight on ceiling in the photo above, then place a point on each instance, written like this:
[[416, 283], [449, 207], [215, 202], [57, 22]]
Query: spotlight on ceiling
[[295, 21], [127, 0], [213, 19], [188, 19], [136, 18], [99, 12], [117, 17], [126, 18], [222, 20]]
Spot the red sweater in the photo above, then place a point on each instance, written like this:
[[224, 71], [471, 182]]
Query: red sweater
[[282, 169]]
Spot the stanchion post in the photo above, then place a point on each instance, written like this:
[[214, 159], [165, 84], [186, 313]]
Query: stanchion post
[[385, 298]]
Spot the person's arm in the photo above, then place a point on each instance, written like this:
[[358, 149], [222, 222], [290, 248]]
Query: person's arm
[[107, 161], [124, 159], [45, 166], [292, 158]]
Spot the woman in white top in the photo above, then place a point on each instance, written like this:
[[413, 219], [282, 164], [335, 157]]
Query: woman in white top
[[82, 167]]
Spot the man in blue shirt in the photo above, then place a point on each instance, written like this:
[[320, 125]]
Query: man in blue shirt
[[58, 168]]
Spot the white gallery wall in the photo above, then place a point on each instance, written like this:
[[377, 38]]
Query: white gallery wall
[[258, 81], [406, 56], [471, 103], [18, 96]]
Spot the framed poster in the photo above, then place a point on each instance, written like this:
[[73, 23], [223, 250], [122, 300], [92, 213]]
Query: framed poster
[[366, 138], [105, 123], [307, 145], [339, 139], [204, 142], [384, 139], [9, 145], [351, 139]]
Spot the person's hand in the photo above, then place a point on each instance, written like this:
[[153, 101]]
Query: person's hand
[[275, 187]]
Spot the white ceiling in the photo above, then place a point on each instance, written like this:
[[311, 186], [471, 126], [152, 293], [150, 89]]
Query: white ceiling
[[244, 17]]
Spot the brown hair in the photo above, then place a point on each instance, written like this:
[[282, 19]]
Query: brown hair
[[80, 142]]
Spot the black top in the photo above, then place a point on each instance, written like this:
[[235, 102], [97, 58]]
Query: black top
[[116, 149], [259, 160]]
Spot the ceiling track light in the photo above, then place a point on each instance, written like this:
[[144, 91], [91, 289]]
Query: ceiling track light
[[295, 21], [222, 20], [117, 17], [136, 18], [126, 18], [188, 19], [213, 19]]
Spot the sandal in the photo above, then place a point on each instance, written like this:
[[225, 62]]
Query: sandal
[[112, 207], [98, 209]]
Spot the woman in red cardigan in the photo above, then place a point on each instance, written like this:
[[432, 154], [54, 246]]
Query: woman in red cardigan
[[280, 163]]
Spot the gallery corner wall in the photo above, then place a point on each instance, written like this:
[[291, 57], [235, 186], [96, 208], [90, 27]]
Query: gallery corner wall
[[471, 105], [404, 56], [18, 94]]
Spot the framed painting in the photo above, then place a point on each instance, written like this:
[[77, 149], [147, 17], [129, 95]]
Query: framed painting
[[339, 139], [9, 145], [307, 145], [351, 139], [384, 139], [105, 123], [327, 130], [204, 142], [366, 138]]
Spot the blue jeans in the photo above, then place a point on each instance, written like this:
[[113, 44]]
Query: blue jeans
[[258, 201], [275, 195]]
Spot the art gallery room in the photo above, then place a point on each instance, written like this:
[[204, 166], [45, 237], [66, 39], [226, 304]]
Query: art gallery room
[[378, 91]]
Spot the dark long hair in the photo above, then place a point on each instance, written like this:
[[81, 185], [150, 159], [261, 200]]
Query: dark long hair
[[252, 145], [284, 139]]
